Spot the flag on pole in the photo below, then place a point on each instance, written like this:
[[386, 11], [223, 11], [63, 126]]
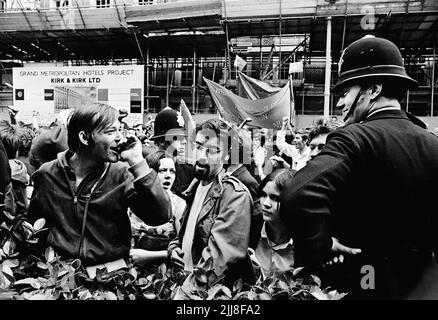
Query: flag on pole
[[265, 113], [254, 89], [296, 67], [239, 63]]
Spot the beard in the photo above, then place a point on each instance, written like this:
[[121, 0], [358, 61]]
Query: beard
[[201, 171]]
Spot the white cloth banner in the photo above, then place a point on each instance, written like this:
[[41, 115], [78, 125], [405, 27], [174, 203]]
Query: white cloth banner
[[239, 63], [296, 67]]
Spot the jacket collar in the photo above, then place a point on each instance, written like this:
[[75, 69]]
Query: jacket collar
[[396, 114]]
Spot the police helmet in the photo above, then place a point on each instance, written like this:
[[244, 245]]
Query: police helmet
[[373, 57]]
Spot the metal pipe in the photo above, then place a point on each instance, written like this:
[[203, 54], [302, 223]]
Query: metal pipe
[[433, 81], [147, 76], [167, 79], [194, 81], [328, 64]]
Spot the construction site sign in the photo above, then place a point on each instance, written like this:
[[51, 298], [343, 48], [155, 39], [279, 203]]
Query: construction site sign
[[52, 90]]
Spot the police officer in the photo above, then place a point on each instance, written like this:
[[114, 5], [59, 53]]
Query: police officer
[[170, 135], [372, 186]]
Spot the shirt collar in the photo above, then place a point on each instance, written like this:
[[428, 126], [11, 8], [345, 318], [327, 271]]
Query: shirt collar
[[274, 246]]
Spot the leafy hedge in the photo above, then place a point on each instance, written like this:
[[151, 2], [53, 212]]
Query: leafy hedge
[[31, 271]]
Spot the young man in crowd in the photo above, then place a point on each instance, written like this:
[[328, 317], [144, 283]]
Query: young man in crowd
[[217, 220], [318, 135], [299, 150], [372, 187], [84, 194]]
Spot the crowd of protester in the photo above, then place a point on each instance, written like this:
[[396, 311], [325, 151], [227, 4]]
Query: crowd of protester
[[171, 190]]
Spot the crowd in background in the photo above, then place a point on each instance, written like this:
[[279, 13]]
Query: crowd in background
[[249, 202]]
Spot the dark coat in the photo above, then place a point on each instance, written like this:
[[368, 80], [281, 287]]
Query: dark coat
[[5, 173], [107, 234], [251, 183], [373, 187]]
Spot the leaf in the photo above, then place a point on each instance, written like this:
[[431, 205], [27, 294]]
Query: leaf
[[5, 226], [18, 236], [218, 279], [42, 265], [237, 285], [335, 295], [283, 285], [202, 294], [32, 241], [213, 291], [39, 224], [9, 278], [162, 269], [209, 264], [243, 295], [8, 247], [200, 275], [42, 296], [76, 264], [100, 273], [316, 280], [62, 273], [133, 272], [49, 254], [297, 270], [318, 294], [40, 231], [26, 225], [34, 283], [150, 295], [11, 263], [7, 294], [110, 296], [226, 291], [281, 295], [263, 296]]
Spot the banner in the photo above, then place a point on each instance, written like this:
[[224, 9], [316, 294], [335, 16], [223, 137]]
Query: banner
[[296, 67], [239, 63], [265, 113], [50, 90], [254, 89]]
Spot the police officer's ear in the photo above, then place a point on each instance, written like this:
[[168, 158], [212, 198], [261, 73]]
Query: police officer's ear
[[375, 90], [85, 138]]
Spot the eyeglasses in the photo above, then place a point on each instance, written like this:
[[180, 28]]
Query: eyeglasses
[[208, 151], [319, 146]]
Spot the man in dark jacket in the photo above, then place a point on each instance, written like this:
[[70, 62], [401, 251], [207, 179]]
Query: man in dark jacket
[[372, 187], [5, 174], [84, 194]]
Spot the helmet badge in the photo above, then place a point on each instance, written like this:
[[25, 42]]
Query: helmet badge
[[180, 119]]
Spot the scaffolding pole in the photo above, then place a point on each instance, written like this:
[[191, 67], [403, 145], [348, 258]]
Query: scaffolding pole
[[167, 79], [194, 81], [433, 80], [328, 64], [147, 75]]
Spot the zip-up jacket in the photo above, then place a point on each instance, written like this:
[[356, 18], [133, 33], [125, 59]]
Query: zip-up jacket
[[109, 192]]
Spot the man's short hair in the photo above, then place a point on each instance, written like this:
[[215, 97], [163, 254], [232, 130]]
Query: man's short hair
[[11, 136], [303, 133], [322, 126], [89, 118]]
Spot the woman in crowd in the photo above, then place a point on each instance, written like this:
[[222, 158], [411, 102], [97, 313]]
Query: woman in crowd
[[153, 248], [274, 252]]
